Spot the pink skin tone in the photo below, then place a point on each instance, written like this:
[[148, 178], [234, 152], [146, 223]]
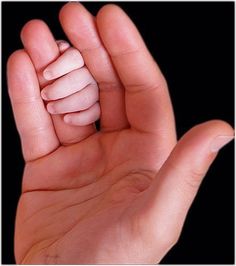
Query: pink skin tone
[[74, 92], [120, 195]]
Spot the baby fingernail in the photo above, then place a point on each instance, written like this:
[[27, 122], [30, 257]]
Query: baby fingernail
[[219, 142], [50, 108], [44, 95], [63, 45], [47, 74], [67, 119]]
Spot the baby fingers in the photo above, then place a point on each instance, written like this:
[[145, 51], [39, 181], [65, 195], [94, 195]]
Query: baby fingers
[[70, 60], [78, 101], [84, 118], [68, 84], [62, 46]]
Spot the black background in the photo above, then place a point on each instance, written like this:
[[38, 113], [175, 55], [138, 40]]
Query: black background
[[194, 46]]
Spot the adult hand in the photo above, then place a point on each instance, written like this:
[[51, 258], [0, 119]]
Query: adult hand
[[119, 195]]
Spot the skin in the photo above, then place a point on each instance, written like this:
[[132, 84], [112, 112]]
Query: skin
[[72, 90], [119, 195]]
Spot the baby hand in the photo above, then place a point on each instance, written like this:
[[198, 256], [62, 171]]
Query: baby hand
[[74, 92]]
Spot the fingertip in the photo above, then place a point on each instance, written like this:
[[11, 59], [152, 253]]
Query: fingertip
[[114, 16], [69, 61], [219, 142], [62, 45], [47, 74], [15, 56], [68, 10], [85, 117], [222, 125], [106, 15], [68, 7], [213, 128], [109, 10], [224, 133], [39, 43], [31, 26], [67, 119], [82, 32], [13, 65], [51, 108], [44, 95], [202, 142], [20, 70]]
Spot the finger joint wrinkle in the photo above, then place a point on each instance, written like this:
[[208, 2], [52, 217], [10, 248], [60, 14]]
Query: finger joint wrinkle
[[26, 100], [143, 87], [125, 53]]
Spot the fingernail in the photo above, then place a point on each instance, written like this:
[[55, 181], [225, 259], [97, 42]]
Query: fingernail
[[67, 119], [63, 45], [50, 108], [47, 74], [44, 95], [219, 142]]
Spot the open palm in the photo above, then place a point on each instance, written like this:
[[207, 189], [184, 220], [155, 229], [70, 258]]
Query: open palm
[[117, 195]]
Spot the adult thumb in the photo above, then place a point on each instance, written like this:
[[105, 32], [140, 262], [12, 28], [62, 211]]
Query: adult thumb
[[167, 201]]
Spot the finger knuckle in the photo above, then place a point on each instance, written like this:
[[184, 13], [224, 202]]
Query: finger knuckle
[[194, 179], [76, 56]]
